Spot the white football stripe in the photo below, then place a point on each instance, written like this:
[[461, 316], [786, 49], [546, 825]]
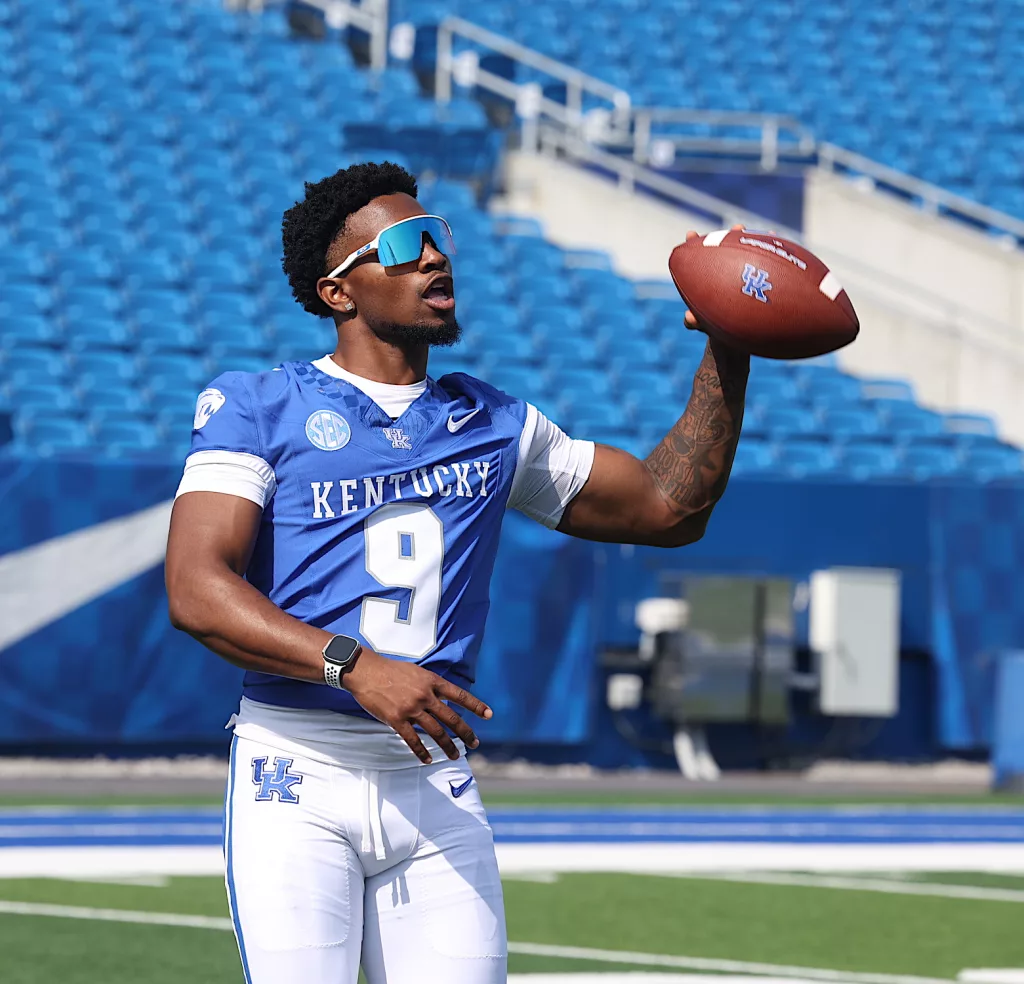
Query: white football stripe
[[715, 238], [830, 286]]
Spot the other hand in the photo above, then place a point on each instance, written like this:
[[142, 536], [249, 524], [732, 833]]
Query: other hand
[[689, 319], [404, 696]]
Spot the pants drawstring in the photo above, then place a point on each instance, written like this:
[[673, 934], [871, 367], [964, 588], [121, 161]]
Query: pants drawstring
[[373, 833]]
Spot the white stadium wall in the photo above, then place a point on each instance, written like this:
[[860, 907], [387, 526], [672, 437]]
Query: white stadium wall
[[581, 210], [939, 305], [951, 261]]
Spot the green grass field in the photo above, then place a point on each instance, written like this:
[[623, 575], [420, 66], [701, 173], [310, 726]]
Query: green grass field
[[688, 920], [813, 927]]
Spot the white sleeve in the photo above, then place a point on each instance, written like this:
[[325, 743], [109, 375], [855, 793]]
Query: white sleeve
[[230, 472], [551, 470]]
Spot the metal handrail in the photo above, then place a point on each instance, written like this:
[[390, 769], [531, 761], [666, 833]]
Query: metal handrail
[[773, 127], [883, 286], [370, 16], [630, 127], [576, 82], [931, 196]]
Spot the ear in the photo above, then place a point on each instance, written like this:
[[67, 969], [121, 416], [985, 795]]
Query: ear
[[332, 293]]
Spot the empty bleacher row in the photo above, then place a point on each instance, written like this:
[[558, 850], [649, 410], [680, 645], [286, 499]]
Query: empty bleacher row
[[934, 89], [142, 178]]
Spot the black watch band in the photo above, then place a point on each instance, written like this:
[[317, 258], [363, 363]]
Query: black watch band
[[340, 655]]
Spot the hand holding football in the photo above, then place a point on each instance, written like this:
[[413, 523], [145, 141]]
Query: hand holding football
[[762, 295]]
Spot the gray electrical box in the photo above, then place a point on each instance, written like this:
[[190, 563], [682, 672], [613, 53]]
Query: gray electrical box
[[855, 636], [733, 660]]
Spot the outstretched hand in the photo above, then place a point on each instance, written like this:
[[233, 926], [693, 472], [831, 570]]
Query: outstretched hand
[[689, 319], [405, 696]]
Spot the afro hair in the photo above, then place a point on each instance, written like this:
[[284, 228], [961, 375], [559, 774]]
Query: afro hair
[[309, 226]]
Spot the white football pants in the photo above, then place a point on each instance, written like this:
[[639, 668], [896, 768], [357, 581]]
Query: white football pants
[[342, 865]]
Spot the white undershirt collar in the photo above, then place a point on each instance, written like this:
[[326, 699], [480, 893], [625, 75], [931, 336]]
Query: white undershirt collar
[[393, 398]]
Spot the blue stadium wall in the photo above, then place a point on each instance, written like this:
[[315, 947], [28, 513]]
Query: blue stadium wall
[[113, 674]]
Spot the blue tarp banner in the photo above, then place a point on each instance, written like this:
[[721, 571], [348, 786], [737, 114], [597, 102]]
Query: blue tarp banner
[[87, 653]]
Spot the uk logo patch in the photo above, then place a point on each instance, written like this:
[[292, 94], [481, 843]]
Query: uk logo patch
[[277, 780], [327, 430], [208, 403], [398, 438], [756, 283]]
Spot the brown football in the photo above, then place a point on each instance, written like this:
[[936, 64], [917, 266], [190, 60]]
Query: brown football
[[764, 295]]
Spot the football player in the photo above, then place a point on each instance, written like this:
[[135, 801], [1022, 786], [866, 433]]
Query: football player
[[334, 535]]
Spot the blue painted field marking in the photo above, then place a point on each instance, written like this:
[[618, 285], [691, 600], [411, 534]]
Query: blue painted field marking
[[81, 828]]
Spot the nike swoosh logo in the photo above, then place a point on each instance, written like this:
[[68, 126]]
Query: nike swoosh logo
[[456, 425], [457, 791], [45, 582]]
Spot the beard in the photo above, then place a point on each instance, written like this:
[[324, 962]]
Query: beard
[[431, 333]]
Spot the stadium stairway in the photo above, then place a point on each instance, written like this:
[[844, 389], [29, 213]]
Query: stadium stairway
[[144, 172], [856, 75]]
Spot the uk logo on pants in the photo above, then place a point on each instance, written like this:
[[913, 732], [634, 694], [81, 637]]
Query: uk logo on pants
[[276, 780]]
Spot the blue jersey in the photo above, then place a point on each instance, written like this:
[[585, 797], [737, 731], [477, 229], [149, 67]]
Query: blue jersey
[[381, 529]]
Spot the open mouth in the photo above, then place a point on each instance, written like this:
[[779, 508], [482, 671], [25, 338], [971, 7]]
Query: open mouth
[[440, 295]]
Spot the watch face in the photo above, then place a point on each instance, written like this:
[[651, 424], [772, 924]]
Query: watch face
[[341, 649]]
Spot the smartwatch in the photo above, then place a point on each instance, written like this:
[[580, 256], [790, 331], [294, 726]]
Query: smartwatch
[[340, 654]]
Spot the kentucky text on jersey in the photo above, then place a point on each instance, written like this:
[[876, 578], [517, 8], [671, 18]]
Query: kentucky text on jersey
[[466, 479]]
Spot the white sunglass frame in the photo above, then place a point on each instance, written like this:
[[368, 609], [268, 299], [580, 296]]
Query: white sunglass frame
[[375, 243]]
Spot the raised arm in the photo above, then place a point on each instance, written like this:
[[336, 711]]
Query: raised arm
[[208, 550], [666, 500]]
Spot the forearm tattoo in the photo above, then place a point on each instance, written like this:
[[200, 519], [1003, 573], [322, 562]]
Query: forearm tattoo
[[691, 465]]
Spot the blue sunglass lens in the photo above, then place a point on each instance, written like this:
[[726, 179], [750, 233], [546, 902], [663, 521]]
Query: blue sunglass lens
[[403, 243]]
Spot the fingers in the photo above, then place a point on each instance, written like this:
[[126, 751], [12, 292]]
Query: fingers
[[455, 723], [433, 728], [689, 320], [448, 691], [691, 234], [409, 736]]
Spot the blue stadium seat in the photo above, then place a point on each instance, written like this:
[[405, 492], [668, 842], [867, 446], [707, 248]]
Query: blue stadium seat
[[970, 426], [98, 331], [119, 438], [517, 381], [446, 360], [770, 389], [109, 396], [754, 457], [993, 462], [512, 348], [569, 350], [167, 335], [96, 365], [43, 398], [28, 329], [845, 423], [47, 435], [786, 422], [865, 461], [924, 461], [807, 459]]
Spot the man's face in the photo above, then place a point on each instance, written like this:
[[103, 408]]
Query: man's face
[[414, 302]]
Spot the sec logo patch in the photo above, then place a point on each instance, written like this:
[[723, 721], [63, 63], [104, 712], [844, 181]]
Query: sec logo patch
[[208, 403], [327, 430]]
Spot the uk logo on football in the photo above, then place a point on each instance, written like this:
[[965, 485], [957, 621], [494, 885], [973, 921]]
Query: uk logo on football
[[276, 780], [756, 283]]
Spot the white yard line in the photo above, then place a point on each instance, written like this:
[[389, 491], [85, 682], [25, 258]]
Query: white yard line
[[532, 949], [714, 966], [660, 858], [543, 859], [114, 915], [885, 885]]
